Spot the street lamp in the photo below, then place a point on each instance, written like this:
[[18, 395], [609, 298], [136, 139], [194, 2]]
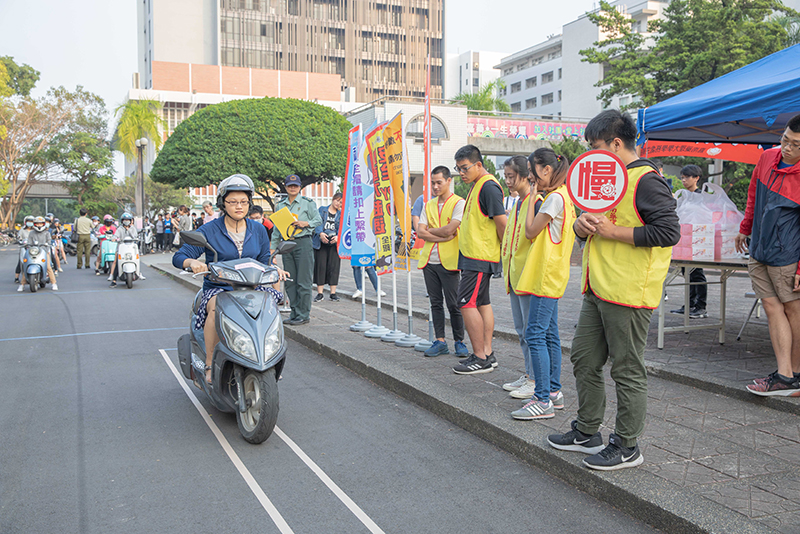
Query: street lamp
[[139, 191]]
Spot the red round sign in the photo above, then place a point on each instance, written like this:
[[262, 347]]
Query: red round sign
[[597, 180]]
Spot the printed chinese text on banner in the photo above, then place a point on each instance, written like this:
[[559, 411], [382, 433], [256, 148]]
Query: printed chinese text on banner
[[398, 175], [381, 217], [362, 197], [345, 242]]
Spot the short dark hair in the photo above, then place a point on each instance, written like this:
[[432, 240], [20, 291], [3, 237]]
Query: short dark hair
[[255, 208], [612, 124], [794, 124], [83, 211], [692, 170], [444, 171], [336, 195], [518, 164], [657, 162], [470, 153]]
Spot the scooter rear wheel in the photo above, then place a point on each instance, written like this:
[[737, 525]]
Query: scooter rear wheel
[[260, 391]]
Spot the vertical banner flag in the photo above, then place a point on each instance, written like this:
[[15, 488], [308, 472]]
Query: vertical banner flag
[[381, 217], [345, 242], [426, 137], [362, 202], [398, 176]]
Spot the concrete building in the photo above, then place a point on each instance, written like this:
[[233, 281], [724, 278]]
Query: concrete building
[[469, 71], [377, 47], [550, 80]]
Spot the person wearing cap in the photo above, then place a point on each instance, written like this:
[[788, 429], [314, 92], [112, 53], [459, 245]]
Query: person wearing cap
[[300, 261]]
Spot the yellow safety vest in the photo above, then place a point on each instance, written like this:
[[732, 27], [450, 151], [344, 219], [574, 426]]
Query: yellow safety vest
[[546, 271], [438, 218], [482, 243], [514, 248], [621, 273]]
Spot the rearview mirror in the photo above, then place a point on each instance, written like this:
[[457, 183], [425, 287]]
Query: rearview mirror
[[196, 239], [285, 247]]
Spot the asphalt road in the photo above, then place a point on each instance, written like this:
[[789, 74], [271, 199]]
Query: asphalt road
[[98, 435]]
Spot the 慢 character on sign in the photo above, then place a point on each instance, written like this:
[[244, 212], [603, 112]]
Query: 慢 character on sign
[[597, 180]]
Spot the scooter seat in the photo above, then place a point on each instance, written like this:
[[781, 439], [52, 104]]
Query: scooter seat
[[197, 299]]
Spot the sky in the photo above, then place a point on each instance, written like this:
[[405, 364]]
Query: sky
[[95, 46]]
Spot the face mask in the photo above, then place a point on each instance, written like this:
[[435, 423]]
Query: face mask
[[126, 223], [29, 224]]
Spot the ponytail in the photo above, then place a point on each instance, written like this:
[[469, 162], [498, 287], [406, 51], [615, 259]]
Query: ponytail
[[546, 157]]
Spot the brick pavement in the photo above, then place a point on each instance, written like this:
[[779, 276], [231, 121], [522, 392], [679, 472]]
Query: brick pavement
[[726, 450]]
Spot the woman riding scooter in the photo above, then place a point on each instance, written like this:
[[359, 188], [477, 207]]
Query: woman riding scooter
[[40, 235], [22, 237], [108, 224], [232, 236], [125, 230]]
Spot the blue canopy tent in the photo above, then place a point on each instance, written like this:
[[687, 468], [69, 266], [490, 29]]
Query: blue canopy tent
[[749, 105]]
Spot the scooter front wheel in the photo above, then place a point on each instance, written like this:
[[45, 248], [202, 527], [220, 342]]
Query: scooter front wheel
[[260, 392], [129, 280], [34, 282]]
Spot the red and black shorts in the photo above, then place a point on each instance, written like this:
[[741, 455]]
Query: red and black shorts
[[473, 289]]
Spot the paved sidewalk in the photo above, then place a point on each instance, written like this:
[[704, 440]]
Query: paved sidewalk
[[717, 458]]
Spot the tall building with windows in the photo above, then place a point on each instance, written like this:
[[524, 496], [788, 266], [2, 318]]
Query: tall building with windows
[[378, 47], [533, 79], [467, 72]]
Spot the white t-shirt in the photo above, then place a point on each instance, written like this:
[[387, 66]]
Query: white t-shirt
[[458, 214], [553, 205]]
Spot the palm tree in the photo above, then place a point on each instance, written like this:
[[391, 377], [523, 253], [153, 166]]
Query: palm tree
[[137, 119], [485, 99]]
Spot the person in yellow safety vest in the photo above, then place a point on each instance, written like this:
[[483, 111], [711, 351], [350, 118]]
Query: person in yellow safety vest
[[625, 261], [484, 223], [545, 278], [514, 252], [438, 227]]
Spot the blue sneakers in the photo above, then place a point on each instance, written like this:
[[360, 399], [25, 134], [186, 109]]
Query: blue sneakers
[[437, 349], [461, 349]]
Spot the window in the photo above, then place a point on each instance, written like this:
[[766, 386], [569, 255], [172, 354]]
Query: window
[[522, 66], [506, 72], [516, 106], [547, 77], [530, 82], [530, 103], [559, 95], [263, 30], [516, 87], [559, 74], [475, 82], [547, 99], [415, 129]]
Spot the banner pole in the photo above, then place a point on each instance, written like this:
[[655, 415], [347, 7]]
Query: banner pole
[[363, 325], [378, 330], [424, 345], [394, 334], [410, 340]]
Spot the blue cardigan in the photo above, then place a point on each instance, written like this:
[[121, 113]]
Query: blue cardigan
[[256, 246], [316, 243]]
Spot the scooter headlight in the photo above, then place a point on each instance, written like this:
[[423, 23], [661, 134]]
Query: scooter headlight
[[228, 274], [128, 256], [34, 251], [274, 339], [238, 339], [269, 276]]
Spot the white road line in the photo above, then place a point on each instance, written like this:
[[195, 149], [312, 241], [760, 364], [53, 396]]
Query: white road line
[[276, 517], [341, 495], [107, 332]]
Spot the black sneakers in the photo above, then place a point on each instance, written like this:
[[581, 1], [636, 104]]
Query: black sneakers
[[614, 456], [319, 297], [576, 441], [492, 360], [473, 366]]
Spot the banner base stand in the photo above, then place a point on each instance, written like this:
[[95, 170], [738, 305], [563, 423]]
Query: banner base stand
[[392, 336], [408, 341], [376, 331], [361, 326], [423, 345]]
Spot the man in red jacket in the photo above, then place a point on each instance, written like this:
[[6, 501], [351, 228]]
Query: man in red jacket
[[772, 221]]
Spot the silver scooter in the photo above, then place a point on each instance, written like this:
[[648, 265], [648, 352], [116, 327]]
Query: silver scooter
[[251, 351], [35, 258]]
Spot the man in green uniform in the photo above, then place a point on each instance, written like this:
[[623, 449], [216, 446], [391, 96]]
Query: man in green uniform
[[300, 261]]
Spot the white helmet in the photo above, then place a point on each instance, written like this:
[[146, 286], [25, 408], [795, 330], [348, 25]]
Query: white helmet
[[235, 182]]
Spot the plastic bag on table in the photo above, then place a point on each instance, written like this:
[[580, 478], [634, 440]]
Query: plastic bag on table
[[725, 214], [692, 209]]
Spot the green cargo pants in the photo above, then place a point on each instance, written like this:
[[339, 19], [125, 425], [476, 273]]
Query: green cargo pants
[[617, 332], [300, 265]]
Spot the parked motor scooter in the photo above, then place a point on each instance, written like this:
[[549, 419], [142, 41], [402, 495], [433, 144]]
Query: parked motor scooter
[[148, 239], [128, 261], [251, 351], [34, 261], [108, 251], [69, 247]]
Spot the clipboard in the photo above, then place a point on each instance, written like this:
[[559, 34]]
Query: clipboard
[[283, 219]]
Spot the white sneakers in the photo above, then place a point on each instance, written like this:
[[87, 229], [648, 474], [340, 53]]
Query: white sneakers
[[516, 384], [357, 294], [526, 391], [21, 288], [55, 287]]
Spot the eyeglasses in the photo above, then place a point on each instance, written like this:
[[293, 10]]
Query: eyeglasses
[[460, 170], [234, 203], [785, 142]]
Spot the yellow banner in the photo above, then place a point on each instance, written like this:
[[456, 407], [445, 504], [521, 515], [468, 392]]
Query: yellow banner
[[398, 176], [381, 217]]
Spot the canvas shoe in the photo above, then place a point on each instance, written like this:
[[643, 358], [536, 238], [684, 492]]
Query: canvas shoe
[[55, 287], [535, 409], [576, 441], [776, 386], [473, 366], [614, 456], [516, 384], [525, 391], [20, 289], [357, 294]]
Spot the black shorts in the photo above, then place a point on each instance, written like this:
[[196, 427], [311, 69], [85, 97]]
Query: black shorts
[[473, 289]]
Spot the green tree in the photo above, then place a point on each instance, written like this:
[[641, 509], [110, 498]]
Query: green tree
[[569, 147], [5, 81], [160, 197], [790, 23], [22, 78], [137, 119], [462, 189], [266, 139], [696, 41], [485, 99]]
